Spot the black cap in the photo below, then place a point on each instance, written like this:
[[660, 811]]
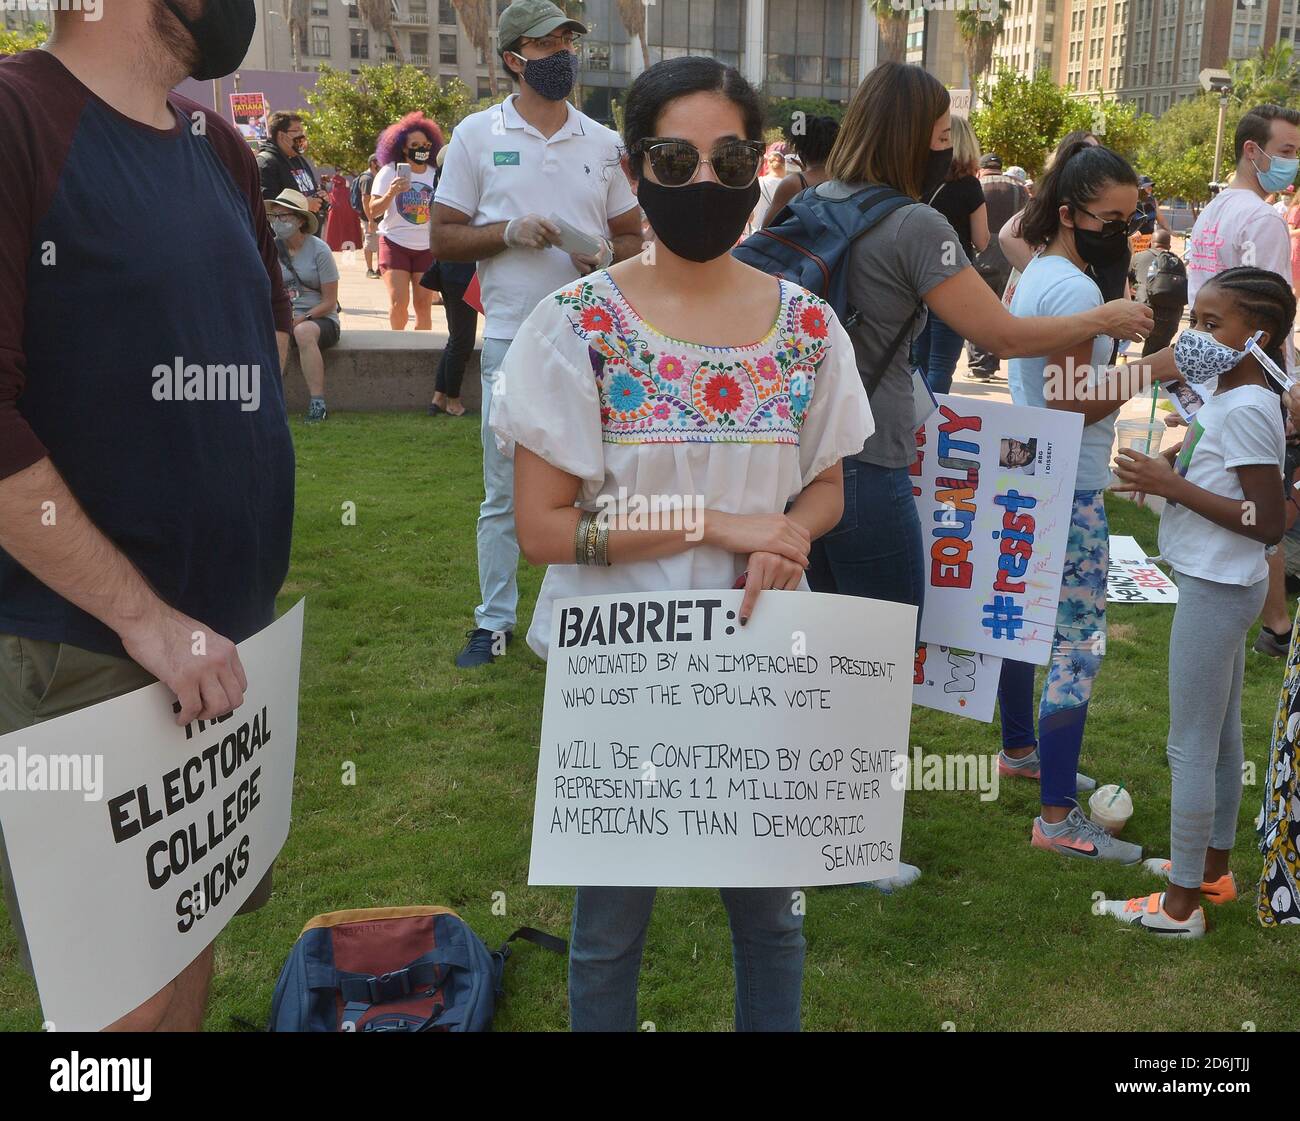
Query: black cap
[[991, 162]]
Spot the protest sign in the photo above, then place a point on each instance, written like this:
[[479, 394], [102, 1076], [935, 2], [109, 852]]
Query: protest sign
[[249, 111], [959, 682], [680, 749], [1132, 578], [994, 488], [124, 877]]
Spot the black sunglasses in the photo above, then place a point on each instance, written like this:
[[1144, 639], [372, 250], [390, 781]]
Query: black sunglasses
[[1113, 227], [675, 162]]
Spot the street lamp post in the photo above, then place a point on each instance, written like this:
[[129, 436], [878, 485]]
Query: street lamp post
[[1220, 82]]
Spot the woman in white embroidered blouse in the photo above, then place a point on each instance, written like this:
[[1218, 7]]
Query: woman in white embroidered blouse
[[746, 423]]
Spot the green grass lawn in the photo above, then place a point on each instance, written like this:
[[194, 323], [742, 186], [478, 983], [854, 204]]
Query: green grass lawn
[[997, 935]]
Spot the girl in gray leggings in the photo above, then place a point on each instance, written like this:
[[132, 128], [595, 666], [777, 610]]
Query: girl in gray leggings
[[1224, 507]]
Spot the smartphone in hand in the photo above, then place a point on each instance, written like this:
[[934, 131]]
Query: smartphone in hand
[[404, 171]]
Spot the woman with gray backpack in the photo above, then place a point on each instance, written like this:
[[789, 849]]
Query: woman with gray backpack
[[896, 134]]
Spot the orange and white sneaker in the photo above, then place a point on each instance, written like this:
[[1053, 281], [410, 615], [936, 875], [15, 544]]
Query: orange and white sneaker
[[1223, 890], [1080, 837], [1148, 912]]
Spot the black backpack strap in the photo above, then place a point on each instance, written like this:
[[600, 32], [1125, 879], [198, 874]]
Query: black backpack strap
[[875, 203], [537, 938], [873, 380]]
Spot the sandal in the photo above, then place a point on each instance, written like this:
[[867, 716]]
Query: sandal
[[435, 410]]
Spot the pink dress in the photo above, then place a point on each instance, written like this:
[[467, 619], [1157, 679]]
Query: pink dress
[[1293, 221]]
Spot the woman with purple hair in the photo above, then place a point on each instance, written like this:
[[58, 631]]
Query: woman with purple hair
[[404, 201]]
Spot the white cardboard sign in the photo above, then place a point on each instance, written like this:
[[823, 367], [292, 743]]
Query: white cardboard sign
[[122, 887], [680, 749]]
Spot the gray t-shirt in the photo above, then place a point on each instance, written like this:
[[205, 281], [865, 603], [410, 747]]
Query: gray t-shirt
[[315, 266], [890, 268]]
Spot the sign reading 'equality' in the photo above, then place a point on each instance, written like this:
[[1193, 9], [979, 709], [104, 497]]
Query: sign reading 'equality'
[[680, 749], [994, 488], [123, 885]]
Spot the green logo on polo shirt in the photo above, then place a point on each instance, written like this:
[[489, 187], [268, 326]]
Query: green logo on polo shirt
[[505, 159]]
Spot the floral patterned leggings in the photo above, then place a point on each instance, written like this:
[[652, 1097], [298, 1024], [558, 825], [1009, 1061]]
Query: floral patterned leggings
[[1077, 650]]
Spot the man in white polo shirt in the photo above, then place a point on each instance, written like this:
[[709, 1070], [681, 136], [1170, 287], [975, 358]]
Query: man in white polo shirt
[[508, 171]]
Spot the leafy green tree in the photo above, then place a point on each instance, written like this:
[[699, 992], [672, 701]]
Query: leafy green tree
[[1119, 126], [348, 113], [11, 42], [1179, 154], [1021, 118], [783, 113]]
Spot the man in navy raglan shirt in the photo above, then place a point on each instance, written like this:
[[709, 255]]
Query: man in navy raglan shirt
[[133, 238]]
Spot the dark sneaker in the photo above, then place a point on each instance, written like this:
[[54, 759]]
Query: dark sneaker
[[316, 411], [482, 649], [1271, 643]]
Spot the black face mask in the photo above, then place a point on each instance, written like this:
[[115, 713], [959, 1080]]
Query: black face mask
[[936, 170], [552, 76], [222, 34], [1104, 253], [700, 221]]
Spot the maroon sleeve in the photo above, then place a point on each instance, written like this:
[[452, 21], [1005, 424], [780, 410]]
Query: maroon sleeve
[[242, 165], [36, 130]]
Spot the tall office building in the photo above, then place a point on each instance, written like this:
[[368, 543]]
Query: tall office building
[[933, 42], [1030, 36], [792, 48]]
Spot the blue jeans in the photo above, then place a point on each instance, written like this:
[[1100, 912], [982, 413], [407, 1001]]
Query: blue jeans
[[936, 351], [498, 547], [609, 926], [876, 550]]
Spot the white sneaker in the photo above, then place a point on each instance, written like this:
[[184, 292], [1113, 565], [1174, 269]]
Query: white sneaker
[[906, 875], [1148, 912]]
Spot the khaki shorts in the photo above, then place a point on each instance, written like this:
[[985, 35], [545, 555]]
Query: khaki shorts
[[42, 680]]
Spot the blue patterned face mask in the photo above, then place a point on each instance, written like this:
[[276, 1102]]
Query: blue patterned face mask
[[1200, 357]]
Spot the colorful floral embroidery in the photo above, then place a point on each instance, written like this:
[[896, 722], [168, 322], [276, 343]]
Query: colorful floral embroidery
[[654, 389]]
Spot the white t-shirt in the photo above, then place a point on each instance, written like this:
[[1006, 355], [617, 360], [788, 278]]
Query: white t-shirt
[[1052, 285], [1234, 429], [499, 167], [1237, 228], [406, 221], [596, 391]]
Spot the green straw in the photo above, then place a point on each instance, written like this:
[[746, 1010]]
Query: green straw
[[1114, 796], [1155, 393]]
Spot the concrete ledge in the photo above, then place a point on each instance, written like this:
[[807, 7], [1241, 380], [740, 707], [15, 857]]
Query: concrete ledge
[[374, 371]]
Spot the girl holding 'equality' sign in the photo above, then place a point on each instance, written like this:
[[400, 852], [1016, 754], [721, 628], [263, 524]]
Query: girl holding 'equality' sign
[[601, 390], [1080, 218]]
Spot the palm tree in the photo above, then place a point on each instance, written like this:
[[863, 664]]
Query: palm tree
[[632, 13], [297, 22], [378, 14], [476, 18], [978, 34], [1271, 76], [892, 21]]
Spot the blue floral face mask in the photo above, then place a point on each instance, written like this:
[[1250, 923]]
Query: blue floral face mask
[[1200, 357]]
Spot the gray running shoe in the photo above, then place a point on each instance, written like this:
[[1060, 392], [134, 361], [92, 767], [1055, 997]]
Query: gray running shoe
[[1028, 767], [1086, 839]]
